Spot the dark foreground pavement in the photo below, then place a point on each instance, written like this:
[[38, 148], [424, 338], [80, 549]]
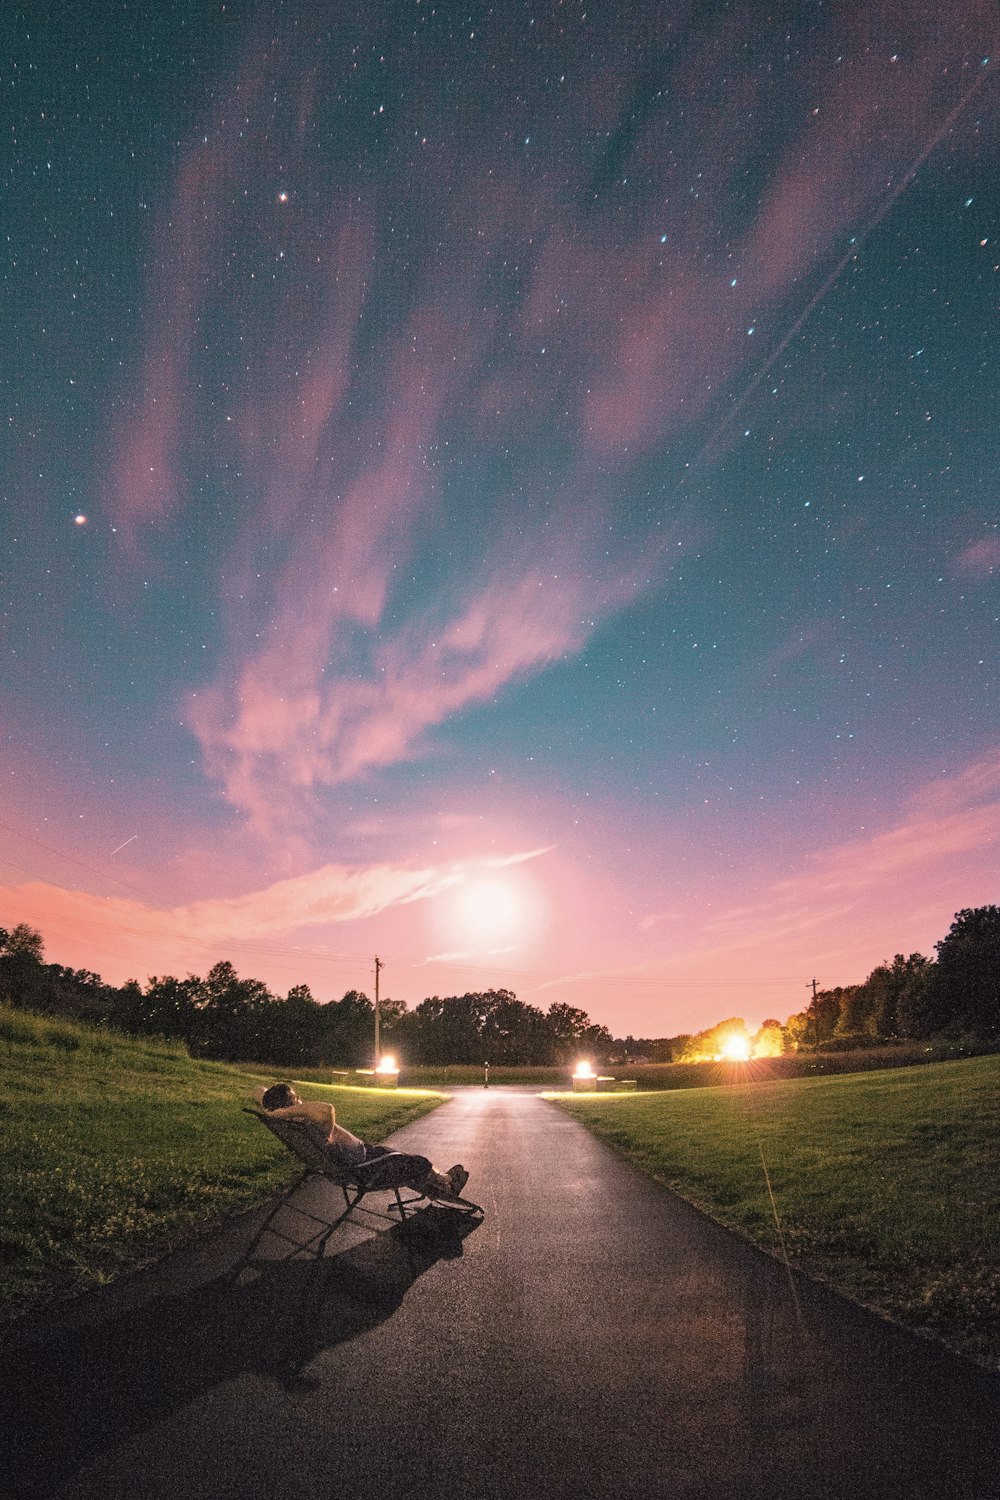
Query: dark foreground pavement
[[595, 1336]]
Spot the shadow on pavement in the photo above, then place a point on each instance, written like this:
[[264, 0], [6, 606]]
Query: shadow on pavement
[[70, 1396]]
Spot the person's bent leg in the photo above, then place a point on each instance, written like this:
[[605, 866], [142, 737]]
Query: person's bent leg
[[383, 1167], [390, 1169]]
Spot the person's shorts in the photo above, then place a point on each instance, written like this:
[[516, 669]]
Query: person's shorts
[[383, 1167]]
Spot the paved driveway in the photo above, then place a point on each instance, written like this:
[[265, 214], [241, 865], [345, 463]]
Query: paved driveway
[[593, 1337]]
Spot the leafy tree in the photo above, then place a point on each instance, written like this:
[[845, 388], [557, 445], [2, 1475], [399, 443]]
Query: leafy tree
[[596, 1041], [348, 1031], [290, 1031], [664, 1049], [967, 990], [445, 1031], [769, 1041], [567, 1026], [229, 1021], [712, 1042], [22, 974], [853, 1010], [25, 939], [512, 1032], [301, 992], [799, 1032], [891, 994], [170, 1006], [809, 1028]]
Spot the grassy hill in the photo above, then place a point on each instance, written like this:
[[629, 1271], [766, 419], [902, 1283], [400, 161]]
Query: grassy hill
[[117, 1148], [884, 1184]]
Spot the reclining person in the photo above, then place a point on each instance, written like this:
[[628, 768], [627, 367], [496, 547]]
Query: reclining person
[[416, 1172]]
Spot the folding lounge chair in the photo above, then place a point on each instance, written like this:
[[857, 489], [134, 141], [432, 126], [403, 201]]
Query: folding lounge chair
[[384, 1174]]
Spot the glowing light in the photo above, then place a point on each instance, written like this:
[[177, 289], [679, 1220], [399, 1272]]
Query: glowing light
[[80, 520], [490, 910], [584, 1069], [735, 1048], [387, 1064]]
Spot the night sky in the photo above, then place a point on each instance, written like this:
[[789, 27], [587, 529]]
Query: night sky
[[512, 489]]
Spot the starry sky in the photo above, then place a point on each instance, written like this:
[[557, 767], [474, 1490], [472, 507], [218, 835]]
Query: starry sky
[[511, 488]]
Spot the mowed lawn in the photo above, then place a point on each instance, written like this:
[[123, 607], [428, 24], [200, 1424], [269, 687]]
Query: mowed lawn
[[115, 1149], [884, 1184]]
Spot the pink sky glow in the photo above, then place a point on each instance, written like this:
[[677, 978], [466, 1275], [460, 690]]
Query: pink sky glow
[[541, 522]]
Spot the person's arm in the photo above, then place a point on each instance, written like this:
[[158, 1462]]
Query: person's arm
[[311, 1112]]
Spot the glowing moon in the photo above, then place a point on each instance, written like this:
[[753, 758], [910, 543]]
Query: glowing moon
[[492, 912]]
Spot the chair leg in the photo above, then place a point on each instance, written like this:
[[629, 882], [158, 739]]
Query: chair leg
[[351, 1205], [271, 1215]]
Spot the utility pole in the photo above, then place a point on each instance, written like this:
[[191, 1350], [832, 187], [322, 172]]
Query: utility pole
[[378, 1046], [815, 1014]]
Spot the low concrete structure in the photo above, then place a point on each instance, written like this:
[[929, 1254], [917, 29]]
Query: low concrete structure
[[383, 1078]]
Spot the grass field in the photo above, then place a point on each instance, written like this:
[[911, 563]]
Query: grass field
[[116, 1149], [884, 1184]]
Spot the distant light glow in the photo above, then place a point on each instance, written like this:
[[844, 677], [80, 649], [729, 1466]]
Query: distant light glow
[[735, 1048], [387, 1064], [80, 520], [584, 1069]]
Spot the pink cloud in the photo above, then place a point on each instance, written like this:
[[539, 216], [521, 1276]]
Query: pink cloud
[[292, 728], [960, 791], [676, 326], [144, 481], [610, 343], [980, 558], [943, 828]]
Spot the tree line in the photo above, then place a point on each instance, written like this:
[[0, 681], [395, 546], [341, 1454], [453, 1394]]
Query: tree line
[[226, 1017], [910, 998], [957, 993], [233, 1019]]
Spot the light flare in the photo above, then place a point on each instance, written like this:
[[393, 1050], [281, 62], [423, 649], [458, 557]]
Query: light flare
[[735, 1048]]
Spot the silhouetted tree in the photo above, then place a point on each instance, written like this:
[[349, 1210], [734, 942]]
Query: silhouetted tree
[[967, 988], [22, 973], [567, 1025], [25, 939], [348, 1031], [894, 993]]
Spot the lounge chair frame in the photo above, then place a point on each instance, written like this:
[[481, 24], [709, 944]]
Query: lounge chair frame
[[321, 1162]]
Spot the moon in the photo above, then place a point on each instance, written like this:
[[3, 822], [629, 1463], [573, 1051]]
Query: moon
[[493, 912]]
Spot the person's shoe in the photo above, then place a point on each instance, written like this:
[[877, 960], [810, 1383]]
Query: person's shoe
[[458, 1177]]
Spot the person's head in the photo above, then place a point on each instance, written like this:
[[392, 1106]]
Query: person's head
[[280, 1096]]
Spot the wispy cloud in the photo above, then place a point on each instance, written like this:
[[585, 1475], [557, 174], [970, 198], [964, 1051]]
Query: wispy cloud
[[845, 905], [470, 954], [288, 726], [980, 558], [351, 393]]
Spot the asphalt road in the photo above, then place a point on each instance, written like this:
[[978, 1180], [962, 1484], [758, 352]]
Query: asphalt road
[[594, 1336]]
